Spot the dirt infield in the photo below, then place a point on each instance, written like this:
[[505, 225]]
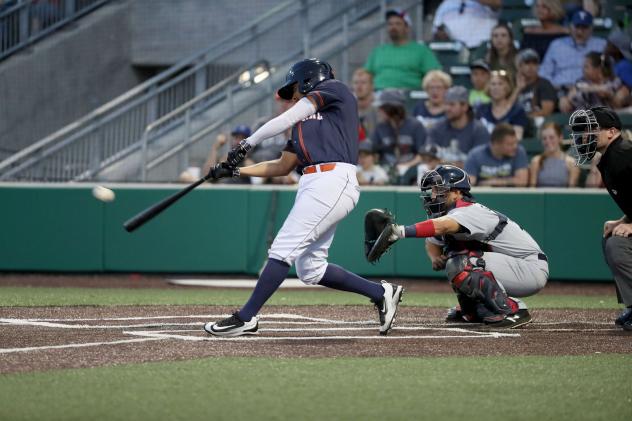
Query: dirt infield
[[35, 339]]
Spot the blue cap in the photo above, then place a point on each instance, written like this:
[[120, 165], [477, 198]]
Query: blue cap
[[582, 18], [241, 129]]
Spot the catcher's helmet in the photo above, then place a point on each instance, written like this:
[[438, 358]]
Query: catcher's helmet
[[307, 74], [438, 183]]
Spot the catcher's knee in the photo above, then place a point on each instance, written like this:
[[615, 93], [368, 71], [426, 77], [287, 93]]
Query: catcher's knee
[[468, 277], [309, 270]]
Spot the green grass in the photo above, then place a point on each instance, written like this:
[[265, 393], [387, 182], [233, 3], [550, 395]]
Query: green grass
[[44, 296], [592, 387]]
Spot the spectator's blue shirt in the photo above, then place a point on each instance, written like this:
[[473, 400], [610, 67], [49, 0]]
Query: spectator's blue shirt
[[564, 60], [470, 136], [401, 146], [516, 116], [481, 164], [330, 134], [623, 70], [424, 116]]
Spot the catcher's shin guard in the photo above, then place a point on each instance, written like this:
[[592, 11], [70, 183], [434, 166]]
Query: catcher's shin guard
[[469, 278]]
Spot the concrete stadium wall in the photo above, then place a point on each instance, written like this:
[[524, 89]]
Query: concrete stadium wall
[[225, 230], [66, 76]]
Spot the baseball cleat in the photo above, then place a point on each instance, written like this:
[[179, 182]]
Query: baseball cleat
[[512, 321], [233, 326], [455, 315], [625, 316], [387, 306]]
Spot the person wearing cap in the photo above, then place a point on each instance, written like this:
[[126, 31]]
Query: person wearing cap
[[550, 14], [429, 160], [501, 163], [619, 48], [369, 173], [599, 86], [398, 137], [460, 131], [403, 63], [239, 133], [536, 94], [615, 167], [564, 59], [479, 77], [467, 21]]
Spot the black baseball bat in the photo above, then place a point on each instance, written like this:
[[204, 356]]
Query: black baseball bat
[[151, 212]]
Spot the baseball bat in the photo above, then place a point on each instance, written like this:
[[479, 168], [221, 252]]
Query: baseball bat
[[151, 212]]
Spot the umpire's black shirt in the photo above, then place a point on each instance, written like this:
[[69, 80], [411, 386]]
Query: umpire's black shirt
[[616, 171]]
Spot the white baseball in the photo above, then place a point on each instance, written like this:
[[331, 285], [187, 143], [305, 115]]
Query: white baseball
[[103, 194]]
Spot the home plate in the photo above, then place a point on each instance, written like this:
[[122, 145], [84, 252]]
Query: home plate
[[236, 283]]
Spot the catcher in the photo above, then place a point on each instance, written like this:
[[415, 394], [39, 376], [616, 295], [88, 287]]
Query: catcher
[[487, 257]]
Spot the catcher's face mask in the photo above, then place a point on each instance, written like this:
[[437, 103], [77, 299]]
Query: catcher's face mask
[[584, 134], [434, 194]]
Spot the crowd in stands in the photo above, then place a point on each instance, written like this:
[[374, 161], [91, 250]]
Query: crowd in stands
[[520, 79]]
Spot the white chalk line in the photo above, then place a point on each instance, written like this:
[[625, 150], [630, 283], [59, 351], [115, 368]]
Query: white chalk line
[[82, 345]]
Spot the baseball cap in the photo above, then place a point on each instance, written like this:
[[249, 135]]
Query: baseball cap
[[479, 64], [582, 18], [390, 96], [241, 129], [365, 146], [606, 118], [623, 41], [430, 150], [400, 13], [457, 94], [528, 56]]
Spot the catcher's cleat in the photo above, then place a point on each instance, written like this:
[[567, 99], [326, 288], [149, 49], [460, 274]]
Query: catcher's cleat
[[233, 326], [454, 315], [387, 306], [512, 321]]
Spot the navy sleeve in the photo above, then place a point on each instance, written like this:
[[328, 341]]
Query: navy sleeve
[[324, 95], [481, 135], [546, 91], [420, 137], [289, 147]]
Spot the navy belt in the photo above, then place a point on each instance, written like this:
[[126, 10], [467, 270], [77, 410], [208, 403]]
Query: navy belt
[[542, 256]]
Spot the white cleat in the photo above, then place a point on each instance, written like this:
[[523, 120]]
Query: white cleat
[[387, 307], [233, 326]]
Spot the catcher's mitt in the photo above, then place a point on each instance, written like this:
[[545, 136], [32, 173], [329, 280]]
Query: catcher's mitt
[[378, 233]]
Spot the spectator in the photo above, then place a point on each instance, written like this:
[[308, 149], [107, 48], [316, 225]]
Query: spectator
[[403, 63], [563, 61], [467, 21], [553, 167], [362, 85], [502, 52], [369, 173], [398, 137], [432, 110], [549, 14], [502, 108], [460, 132], [535, 94], [479, 76], [429, 160], [502, 162], [619, 48], [238, 134], [599, 86]]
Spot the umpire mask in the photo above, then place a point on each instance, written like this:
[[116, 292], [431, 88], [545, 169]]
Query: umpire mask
[[585, 134]]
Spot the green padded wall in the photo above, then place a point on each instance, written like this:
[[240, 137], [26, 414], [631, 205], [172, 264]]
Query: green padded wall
[[228, 230]]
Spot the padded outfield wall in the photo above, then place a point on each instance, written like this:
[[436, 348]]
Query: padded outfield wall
[[219, 229]]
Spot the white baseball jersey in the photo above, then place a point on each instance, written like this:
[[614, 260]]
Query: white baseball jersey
[[515, 258]]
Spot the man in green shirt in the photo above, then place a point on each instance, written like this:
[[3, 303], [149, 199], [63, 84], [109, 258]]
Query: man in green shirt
[[403, 63]]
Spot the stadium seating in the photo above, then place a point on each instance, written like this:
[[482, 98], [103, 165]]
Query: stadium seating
[[514, 10]]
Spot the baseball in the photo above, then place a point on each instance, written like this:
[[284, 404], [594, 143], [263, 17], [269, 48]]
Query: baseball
[[103, 194]]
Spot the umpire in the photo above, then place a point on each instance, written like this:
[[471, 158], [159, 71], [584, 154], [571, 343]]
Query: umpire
[[598, 129]]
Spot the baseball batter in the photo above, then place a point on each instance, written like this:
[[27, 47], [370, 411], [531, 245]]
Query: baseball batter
[[324, 147], [487, 256]]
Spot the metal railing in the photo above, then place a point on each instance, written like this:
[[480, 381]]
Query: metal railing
[[111, 133], [115, 126], [23, 22]]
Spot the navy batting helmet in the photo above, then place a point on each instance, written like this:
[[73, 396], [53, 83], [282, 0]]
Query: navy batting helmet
[[436, 184], [307, 74]]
